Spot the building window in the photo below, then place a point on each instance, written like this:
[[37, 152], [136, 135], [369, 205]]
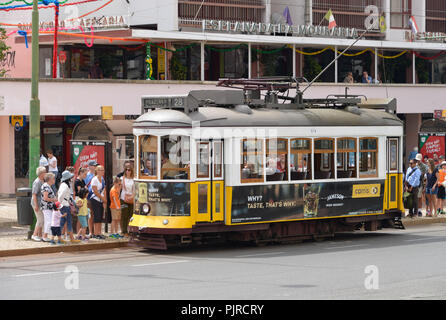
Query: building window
[[276, 159], [346, 158], [324, 158], [300, 159], [368, 157], [400, 12], [175, 157], [148, 157], [252, 160]]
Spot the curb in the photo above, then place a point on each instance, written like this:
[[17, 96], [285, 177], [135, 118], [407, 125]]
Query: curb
[[65, 248], [408, 222]]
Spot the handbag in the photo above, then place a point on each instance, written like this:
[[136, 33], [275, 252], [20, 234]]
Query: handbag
[[407, 200]]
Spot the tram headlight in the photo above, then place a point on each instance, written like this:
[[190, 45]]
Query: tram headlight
[[146, 208], [165, 221]]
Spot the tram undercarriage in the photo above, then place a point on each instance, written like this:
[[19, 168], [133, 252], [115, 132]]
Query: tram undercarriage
[[265, 233]]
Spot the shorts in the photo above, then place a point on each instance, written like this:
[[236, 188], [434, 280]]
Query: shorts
[[98, 210], [39, 217], [441, 193], [116, 214], [429, 191], [55, 231], [83, 220], [67, 219]]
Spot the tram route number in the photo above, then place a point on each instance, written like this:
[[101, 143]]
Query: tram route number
[[230, 310]]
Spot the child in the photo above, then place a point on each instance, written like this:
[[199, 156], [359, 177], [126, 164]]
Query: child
[[115, 208], [55, 224], [81, 203]]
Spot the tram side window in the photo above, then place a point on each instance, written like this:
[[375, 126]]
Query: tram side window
[[300, 159], [276, 160], [368, 157], [252, 160], [175, 157], [324, 158], [148, 157], [346, 158]]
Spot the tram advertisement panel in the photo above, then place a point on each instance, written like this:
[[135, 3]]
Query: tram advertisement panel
[[163, 199], [302, 201], [429, 145], [82, 152]]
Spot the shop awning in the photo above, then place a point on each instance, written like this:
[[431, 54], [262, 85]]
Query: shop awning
[[120, 127]]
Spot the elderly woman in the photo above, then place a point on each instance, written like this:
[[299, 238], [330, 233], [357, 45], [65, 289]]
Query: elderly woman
[[47, 203], [65, 198], [35, 203]]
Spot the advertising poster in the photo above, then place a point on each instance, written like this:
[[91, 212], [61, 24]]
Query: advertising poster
[[164, 199], [304, 201], [431, 144], [82, 152]]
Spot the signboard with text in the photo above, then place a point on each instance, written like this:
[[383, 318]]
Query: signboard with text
[[430, 145]]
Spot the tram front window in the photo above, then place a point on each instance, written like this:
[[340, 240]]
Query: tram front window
[[148, 157], [175, 157]]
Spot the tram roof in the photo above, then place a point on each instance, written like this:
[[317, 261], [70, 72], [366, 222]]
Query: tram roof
[[244, 116]]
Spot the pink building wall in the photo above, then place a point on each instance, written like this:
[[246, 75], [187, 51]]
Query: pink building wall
[[18, 59], [7, 167]]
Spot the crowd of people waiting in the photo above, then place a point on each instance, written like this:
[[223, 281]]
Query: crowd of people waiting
[[425, 182], [75, 210]]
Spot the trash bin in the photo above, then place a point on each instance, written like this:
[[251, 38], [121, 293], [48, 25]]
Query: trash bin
[[25, 213]]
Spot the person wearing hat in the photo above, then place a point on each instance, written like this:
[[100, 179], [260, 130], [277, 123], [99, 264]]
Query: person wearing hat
[[441, 193], [64, 196], [422, 189]]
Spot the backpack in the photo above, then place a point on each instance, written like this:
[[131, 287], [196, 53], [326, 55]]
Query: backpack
[[90, 189]]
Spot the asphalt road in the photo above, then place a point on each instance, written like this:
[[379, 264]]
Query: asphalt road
[[389, 264]]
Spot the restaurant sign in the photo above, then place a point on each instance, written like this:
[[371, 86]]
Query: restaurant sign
[[282, 29], [103, 22]]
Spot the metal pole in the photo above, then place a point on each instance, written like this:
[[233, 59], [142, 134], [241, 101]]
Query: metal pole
[[202, 61], [56, 27], [34, 106], [249, 61], [294, 60], [336, 64], [413, 68]]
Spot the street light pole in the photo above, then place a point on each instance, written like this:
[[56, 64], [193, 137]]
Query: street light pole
[[34, 107]]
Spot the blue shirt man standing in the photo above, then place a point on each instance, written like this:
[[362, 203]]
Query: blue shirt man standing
[[413, 175]]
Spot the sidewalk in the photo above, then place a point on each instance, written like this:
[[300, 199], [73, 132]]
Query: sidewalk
[[14, 238]]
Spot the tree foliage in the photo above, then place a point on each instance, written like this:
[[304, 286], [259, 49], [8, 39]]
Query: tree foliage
[[3, 50]]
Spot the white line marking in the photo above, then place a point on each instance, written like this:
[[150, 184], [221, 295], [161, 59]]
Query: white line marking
[[342, 247], [423, 239], [259, 254], [157, 263], [37, 274]]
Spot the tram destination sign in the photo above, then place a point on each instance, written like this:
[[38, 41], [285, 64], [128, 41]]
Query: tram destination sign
[[283, 29], [162, 102]]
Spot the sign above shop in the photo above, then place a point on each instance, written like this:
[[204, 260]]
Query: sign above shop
[[107, 112], [426, 36], [103, 22], [285, 29]]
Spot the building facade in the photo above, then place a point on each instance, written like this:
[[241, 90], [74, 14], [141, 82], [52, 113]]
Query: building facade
[[104, 45]]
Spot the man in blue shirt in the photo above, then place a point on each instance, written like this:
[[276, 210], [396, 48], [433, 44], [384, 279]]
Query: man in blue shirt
[[413, 176], [366, 78]]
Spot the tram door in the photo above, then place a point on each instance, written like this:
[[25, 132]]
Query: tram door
[[393, 176], [210, 181]]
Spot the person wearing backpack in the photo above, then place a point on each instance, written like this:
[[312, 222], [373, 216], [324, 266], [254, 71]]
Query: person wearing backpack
[[413, 176]]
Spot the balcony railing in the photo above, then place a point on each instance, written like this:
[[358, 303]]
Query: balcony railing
[[435, 16], [191, 12]]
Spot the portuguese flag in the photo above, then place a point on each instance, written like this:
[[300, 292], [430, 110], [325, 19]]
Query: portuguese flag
[[331, 20]]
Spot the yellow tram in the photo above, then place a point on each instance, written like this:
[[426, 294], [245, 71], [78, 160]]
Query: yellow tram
[[251, 163]]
